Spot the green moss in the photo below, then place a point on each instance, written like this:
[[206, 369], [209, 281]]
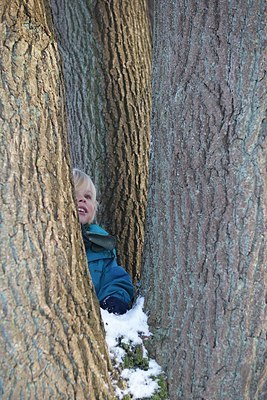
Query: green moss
[[127, 397], [128, 362], [134, 357], [162, 393]]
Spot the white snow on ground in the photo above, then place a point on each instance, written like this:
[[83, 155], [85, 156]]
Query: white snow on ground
[[139, 381], [132, 326]]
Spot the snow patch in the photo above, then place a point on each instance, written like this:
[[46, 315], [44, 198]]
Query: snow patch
[[130, 329]]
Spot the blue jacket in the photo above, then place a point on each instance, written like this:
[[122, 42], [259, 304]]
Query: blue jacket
[[108, 277]]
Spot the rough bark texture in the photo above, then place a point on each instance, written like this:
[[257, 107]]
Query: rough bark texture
[[51, 340], [205, 248], [106, 51]]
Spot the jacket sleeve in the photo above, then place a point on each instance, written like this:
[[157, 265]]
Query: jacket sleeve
[[115, 281]]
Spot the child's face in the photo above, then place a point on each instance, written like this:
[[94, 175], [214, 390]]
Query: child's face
[[86, 206]]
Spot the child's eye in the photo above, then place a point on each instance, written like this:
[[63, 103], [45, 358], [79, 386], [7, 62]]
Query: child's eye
[[88, 196]]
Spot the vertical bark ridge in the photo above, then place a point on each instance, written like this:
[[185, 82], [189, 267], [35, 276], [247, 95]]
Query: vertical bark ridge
[[51, 341], [205, 254], [127, 79]]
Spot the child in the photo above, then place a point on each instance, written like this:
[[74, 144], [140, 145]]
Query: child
[[112, 283]]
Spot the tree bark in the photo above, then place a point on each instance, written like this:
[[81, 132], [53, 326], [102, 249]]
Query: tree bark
[[205, 247], [106, 51], [51, 340]]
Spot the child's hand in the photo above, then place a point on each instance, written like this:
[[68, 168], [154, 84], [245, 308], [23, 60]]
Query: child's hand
[[114, 305]]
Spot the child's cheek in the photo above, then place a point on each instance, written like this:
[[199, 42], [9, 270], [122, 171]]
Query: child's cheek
[[92, 210]]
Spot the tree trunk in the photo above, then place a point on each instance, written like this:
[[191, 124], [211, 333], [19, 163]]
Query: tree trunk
[[51, 340], [106, 51], [205, 246]]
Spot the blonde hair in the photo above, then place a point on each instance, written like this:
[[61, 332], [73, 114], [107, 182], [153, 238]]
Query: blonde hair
[[82, 181]]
